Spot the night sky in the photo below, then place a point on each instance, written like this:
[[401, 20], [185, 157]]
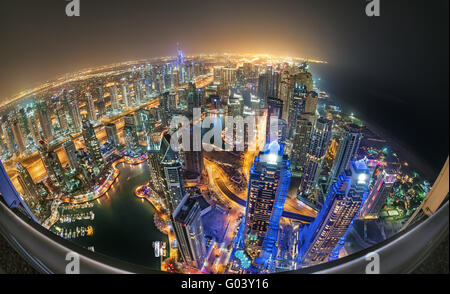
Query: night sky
[[393, 69]]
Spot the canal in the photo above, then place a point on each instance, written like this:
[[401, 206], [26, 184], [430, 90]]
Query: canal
[[123, 225]]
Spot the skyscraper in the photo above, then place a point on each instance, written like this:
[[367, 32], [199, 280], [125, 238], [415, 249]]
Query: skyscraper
[[302, 136], [8, 138], [317, 149], [125, 98], [29, 187], [52, 164], [91, 111], [348, 147], [111, 133], [74, 113], [378, 194], [188, 230], [154, 158], [101, 101], [62, 119], [114, 98], [269, 180], [323, 239], [71, 153], [45, 120], [93, 146], [17, 133], [173, 174], [130, 134]]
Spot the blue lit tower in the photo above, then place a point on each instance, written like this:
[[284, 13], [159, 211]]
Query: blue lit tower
[[188, 230], [348, 147], [269, 180], [323, 239], [318, 145]]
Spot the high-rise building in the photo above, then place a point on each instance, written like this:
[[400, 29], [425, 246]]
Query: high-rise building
[[101, 101], [45, 121], [93, 147], [52, 164], [111, 134], [33, 128], [154, 142], [274, 109], [348, 147], [62, 118], [323, 239], [188, 230], [302, 136], [317, 149], [114, 97], [17, 134], [8, 138], [269, 180], [125, 98], [130, 134], [74, 113], [91, 111], [378, 195], [137, 92], [285, 92], [173, 174], [29, 187], [311, 102], [71, 153]]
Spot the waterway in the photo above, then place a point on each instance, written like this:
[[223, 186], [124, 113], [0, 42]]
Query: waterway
[[123, 224]]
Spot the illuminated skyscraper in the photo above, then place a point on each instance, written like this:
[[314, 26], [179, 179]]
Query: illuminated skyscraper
[[45, 120], [269, 180], [93, 147], [188, 230], [130, 134], [74, 113], [62, 119], [125, 98], [317, 149], [33, 128], [91, 111], [17, 133], [322, 240], [173, 174], [8, 138], [154, 159], [137, 92], [52, 164], [29, 187], [348, 147], [311, 103], [302, 136], [114, 98], [274, 110], [111, 133], [101, 101], [71, 153], [378, 194]]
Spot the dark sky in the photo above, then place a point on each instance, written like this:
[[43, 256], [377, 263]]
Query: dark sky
[[398, 61]]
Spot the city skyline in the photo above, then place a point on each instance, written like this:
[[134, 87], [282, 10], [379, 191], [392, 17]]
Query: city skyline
[[316, 145]]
